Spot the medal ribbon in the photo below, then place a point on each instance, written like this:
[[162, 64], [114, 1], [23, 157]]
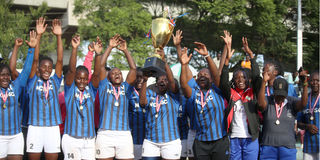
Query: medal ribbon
[[81, 97], [46, 88], [116, 95], [158, 105], [4, 96], [314, 105], [136, 91], [277, 109], [268, 91], [203, 103]]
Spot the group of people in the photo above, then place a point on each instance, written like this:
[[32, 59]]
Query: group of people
[[207, 117]]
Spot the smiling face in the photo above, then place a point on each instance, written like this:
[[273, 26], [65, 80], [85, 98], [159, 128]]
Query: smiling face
[[5, 77], [314, 81], [45, 69], [115, 76], [81, 79], [240, 80], [204, 78], [139, 80], [162, 84]]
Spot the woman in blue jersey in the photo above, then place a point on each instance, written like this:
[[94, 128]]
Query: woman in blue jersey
[[279, 114], [78, 141], [207, 104], [242, 111], [162, 133], [44, 110], [11, 139], [309, 120], [114, 139]]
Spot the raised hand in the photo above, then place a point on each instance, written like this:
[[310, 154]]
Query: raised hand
[[40, 26], [266, 76], [185, 59], [201, 48], [122, 45], [177, 38], [18, 42], [33, 39], [75, 42], [114, 41], [227, 38], [97, 46], [245, 47], [56, 27]]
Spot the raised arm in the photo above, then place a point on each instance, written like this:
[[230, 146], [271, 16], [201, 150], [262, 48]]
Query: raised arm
[[131, 77], [113, 42], [261, 95], [57, 30], [143, 93], [13, 59], [97, 46], [171, 82], [75, 42], [28, 63], [41, 28], [224, 53], [304, 98], [202, 49], [88, 59], [184, 60], [246, 48], [228, 41]]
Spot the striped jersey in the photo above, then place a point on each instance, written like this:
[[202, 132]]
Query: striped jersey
[[24, 102], [137, 119], [113, 112], [182, 118], [190, 110], [162, 126], [209, 120], [311, 141], [44, 111], [80, 116], [10, 111]]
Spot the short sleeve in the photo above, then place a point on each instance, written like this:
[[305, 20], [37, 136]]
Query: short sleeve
[[149, 95], [103, 83], [57, 80], [93, 89], [67, 88], [300, 117], [128, 88]]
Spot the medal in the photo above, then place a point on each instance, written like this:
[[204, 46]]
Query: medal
[[81, 107], [144, 110], [4, 98], [203, 101], [311, 118], [158, 105], [311, 109], [80, 100], [278, 111], [4, 106], [156, 115], [116, 95], [116, 103]]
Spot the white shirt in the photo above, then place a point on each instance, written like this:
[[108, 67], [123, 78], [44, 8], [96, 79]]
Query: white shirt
[[239, 123]]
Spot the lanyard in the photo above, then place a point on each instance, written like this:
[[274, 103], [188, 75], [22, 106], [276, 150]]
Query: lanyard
[[136, 91], [158, 105], [4, 96], [116, 95], [277, 109], [314, 105], [46, 88], [203, 101]]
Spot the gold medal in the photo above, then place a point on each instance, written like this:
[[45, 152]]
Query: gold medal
[[116, 104], [201, 111], [156, 115], [311, 118], [4, 106], [81, 107], [277, 122]]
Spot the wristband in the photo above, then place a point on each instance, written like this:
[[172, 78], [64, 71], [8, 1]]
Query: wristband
[[206, 56], [98, 54]]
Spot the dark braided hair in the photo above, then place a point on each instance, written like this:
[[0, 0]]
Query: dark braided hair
[[3, 66], [82, 68]]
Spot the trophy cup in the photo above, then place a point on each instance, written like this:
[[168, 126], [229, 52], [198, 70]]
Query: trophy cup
[[161, 31]]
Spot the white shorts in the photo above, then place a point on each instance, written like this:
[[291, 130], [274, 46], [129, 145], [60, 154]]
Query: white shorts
[[40, 137], [11, 145], [78, 148], [116, 144], [168, 150], [311, 156], [184, 151], [137, 151], [191, 137]]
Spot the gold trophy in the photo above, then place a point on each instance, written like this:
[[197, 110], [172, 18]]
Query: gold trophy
[[161, 31]]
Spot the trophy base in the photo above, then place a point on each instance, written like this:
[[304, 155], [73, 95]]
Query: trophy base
[[154, 67]]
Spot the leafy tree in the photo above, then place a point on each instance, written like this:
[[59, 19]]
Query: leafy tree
[[105, 18]]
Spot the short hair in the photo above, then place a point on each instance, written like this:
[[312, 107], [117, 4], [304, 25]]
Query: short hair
[[43, 58], [276, 66], [82, 68], [3, 66]]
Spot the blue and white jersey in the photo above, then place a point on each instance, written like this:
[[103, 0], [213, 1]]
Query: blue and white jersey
[[209, 120], [182, 118], [44, 111], [10, 112], [190, 110], [137, 119], [24, 103], [311, 141], [162, 126], [79, 117], [114, 113]]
